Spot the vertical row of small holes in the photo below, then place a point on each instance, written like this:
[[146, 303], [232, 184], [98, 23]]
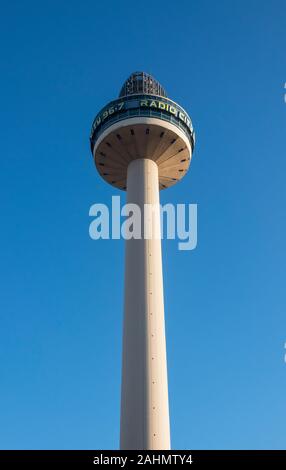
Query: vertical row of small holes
[[150, 301]]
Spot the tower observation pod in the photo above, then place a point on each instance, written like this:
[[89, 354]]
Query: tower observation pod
[[142, 142]]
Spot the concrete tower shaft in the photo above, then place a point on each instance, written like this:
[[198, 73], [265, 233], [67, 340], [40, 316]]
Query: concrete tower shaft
[[144, 395]]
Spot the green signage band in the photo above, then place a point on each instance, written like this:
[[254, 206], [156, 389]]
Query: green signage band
[[144, 105]]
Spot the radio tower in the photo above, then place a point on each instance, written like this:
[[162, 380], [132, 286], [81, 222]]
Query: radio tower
[[142, 142]]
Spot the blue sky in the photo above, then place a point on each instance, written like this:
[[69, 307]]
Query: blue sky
[[60, 334]]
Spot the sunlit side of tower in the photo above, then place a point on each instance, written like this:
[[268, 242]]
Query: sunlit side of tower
[[142, 142]]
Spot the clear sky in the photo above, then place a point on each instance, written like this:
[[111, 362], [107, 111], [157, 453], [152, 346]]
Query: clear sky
[[62, 293]]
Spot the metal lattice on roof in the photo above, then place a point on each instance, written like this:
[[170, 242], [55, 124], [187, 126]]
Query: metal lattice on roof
[[142, 83]]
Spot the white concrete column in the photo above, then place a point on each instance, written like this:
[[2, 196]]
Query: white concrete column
[[144, 393]]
